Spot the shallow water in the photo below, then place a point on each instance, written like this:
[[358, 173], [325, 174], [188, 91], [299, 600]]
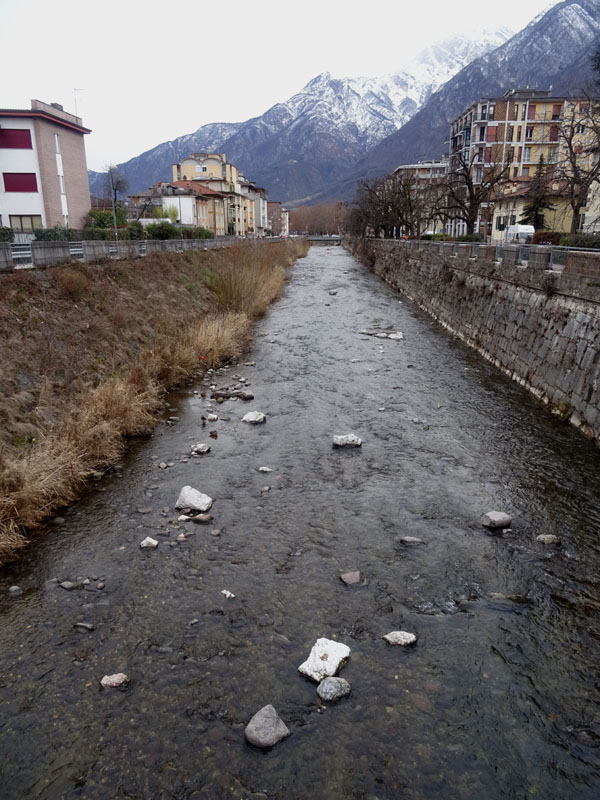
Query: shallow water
[[500, 697]]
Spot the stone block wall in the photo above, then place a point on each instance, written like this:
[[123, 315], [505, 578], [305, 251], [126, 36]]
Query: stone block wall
[[540, 327]]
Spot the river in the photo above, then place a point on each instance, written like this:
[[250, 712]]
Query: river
[[498, 699]]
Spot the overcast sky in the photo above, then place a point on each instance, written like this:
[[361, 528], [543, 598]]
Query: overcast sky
[[141, 73]]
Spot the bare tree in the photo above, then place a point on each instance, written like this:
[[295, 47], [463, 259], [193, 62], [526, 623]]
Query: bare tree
[[472, 179], [116, 184], [578, 162]]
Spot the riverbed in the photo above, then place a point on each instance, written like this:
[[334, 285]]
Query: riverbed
[[498, 699]]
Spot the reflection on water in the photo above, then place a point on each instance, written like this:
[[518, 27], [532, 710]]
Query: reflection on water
[[499, 699]]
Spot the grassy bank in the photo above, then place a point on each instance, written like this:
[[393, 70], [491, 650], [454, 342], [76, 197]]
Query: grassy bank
[[89, 351]]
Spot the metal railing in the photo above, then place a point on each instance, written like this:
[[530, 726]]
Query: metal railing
[[20, 255]]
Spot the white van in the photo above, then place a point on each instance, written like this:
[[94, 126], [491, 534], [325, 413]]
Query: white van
[[520, 233]]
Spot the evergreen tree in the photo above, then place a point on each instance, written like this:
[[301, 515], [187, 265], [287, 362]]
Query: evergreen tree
[[537, 199]]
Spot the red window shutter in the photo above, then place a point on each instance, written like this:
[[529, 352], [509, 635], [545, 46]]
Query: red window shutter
[[520, 154], [556, 109], [491, 134], [530, 112], [20, 182], [15, 139], [554, 133], [488, 154]]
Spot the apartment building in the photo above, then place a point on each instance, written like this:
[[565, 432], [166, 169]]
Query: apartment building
[[516, 131], [43, 168], [195, 204], [425, 177]]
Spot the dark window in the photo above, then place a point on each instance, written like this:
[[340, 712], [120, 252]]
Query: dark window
[[556, 110], [554, 133], [20, 182], [15, 139]]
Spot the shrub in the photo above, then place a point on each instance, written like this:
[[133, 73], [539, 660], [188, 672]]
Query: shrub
[[470, 237], [197, 233], [162, 230], [588, 240], [136, 230], [6, 234], [56, 234], [103, 217], [547, 237], [74, 283]]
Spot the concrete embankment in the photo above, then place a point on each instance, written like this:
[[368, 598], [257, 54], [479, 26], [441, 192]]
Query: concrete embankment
[[541, 327]]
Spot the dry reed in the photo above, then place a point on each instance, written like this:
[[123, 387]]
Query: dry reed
[[95, 372]]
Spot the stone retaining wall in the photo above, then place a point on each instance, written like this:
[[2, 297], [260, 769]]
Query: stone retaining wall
[[540, 327]]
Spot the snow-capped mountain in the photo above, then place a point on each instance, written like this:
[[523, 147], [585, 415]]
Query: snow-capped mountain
[[296, 148], [553, 51]]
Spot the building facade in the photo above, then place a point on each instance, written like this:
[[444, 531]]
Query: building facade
[[518, 132], [43, 168]]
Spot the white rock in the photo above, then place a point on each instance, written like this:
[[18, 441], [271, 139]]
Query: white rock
[[200, 449], [212, 417], [325, 659], [396, 336], [265, 469], [381, 335], [411, 540], [266, 728], [226, 593], [496, 519], [254, 417], [401, 638], [347, 440], [113, 681], [148, 543], [547, 538], [183, 518], [192, 498]]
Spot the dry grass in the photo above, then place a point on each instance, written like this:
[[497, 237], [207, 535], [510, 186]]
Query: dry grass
[[89, 353]]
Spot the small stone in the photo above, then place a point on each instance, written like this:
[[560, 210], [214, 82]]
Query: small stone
[[212, 417], [250, 363], [148, 543], [496, 519], [347, 440], [350, 578], [265, 489], [183, 518], [547, 538], [331, 689], [325, 659], [401, 638], [58, 521], [227, 594], [192, 498], [200, 449], [201, 518], [265, 469], [86, 626], [396, 336], [100, 585], [266, 728], [181, 537], [333, 292], [113, 681], [411, 540], [215, 532], [15, 591], [68, 585], [162, 465], [254, 417], [145, 510]]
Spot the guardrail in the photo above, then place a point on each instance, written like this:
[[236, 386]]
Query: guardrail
[[547, 257], [22, 255]]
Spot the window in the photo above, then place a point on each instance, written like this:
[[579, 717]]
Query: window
[[519, 132], [527, 154], [483, 112], [531, 112], [513, 219], [523, 111], [529, 133], [20, 182], [525, 171], [580, 128], [492, 112], [480, 154], [491, 134], [556, 109], [511, 133], [553, 133], [581, 222], [15, 139], [25, 222], [488, 154], [478, 175], [57, 143], [552, 155], [584, 108], [482, 133], [515, 172], [516, 114]]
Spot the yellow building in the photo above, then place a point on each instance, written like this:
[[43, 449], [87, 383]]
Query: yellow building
[[512, 197]]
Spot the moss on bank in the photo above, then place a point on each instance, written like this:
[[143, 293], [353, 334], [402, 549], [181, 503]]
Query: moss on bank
[[88, 352]]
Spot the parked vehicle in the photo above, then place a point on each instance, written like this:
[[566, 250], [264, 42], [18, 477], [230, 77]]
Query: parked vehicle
[[520, 233]]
